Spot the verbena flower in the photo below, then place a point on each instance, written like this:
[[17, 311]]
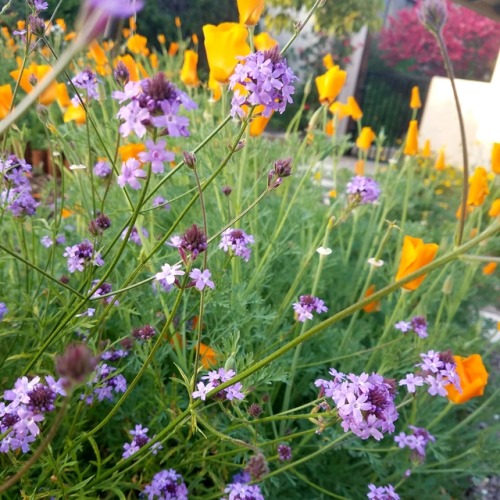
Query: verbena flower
[[262, 78], [284, 452], [168, 273], [102, 169], [3, 310], [159, 201], [257, 467], [437, 371], [134, 235], [215, 378], [242, 491], [153, 102], [365, 403], [306, 305], [201, 279], [104, 289], [193, 242], [82, 254], [418, 325], [382, 492], [166, 484], [417, 441], [16, 195], [27, 403], [363, 190], [238, 242], [131, 173], [157, 155], [140, 438], [145, 332], [87, 81], [105, 384], [40, 5]]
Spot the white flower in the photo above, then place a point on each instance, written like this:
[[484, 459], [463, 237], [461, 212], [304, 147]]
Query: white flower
[[375, 262], [324, 251], [77, 167], [168, 273]]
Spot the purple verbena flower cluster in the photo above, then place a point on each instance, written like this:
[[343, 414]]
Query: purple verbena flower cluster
[[267, 81], [153, 102], [140, 438], [131, 173], [102, 168], [114, 354], [29, 400], [134, 235], [417, 441], [238, 242], [47, 241], [104, 384], [192, 243], [3, 310], [418, 325], [16, 195], [242, 491], [215, 378], [167, 276], [166, 484], [82, 254], [87, 81], [104, 289], [437, 370], [284, 452], [306, 305], [146, 332], [363, 190], [382, 492], [365, 403]]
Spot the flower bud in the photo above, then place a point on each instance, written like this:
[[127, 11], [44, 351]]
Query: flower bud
[[433, 14], [189, 159], [76, 363], [37, 26], [448, 285], [227, 190], [230, 363], [121, 74]]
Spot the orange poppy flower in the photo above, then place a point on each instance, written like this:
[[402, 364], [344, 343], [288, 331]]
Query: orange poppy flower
[[189, 76], [161, 38], [178, 23], [440, 161], [223, 44], [153, 59], [328, 61], [194, 38], [264, 41], [354, 110], [495, 208], [372, 306], [330, 84], [415, 102], [426, 151], [62, 96], [473, 379], [215, 87], [76, 114], [250, 11], [415, 254], [259, 123], [128, 151], [33, 74], [208, 357], [365, 139], [173, 49], [489, 268], [478, 189], [359, 167], [137, 44], [329, 127], [5, 100], [411, 144]]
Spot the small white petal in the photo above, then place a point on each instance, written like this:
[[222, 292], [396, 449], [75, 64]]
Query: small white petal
[[324, 251], [375, 262], [77, 167]]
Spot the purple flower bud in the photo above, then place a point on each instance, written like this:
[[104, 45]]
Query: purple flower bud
[[189, 159], [227, 190], [433, 14], [121, 74], [254, 410], [76, 363], [257, 467]]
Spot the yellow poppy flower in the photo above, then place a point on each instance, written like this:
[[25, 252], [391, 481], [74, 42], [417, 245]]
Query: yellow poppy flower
[[365, 139], [478, 189], [264, 41], [250, 11], [411, 144], [330, 84], [415, 102], [5, 100], [189, 76], [223, 44]]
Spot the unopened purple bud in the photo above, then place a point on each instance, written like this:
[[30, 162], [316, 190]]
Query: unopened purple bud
[[37, 26], [257, 467], [433, 14], [241, 144], [76, 363], [189, 159], [121, 74], [32, 80], [254, 410], [283, 167], [227, 190]]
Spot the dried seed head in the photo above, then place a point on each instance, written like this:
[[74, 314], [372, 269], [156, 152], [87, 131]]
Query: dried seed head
[[76, 363]]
